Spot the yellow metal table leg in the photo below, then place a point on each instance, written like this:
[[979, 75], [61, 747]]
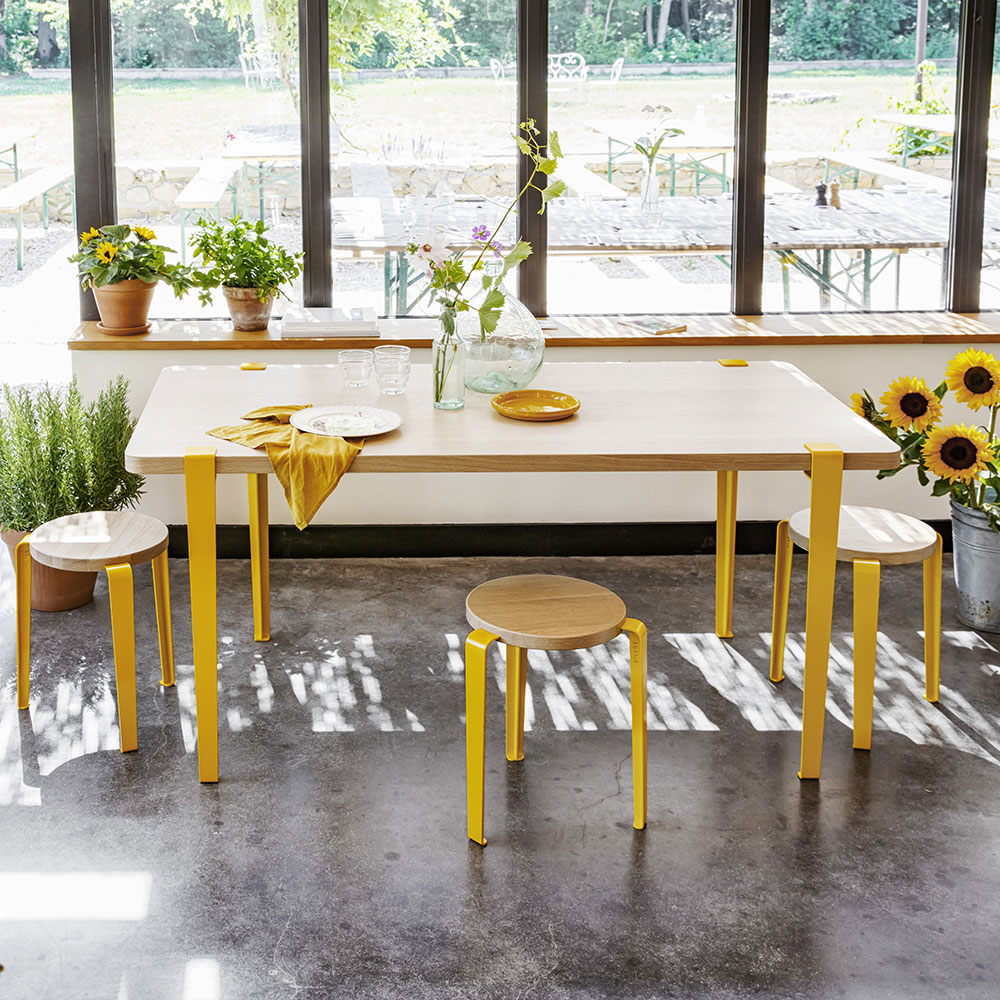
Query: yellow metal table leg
[[517, 677], [164, 626], [932, 624], [636, 632], [475, 729], [260, 560], [866, 583], [199, 483], [779, 613], [22, 587], [123, 634], [824, 520], [725, 552]]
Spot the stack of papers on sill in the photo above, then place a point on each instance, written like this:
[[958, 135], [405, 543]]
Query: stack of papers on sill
[[350, 321]]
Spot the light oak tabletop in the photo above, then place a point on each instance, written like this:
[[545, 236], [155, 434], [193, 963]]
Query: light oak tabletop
[[635, 416]]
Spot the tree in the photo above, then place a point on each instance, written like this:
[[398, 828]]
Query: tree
[[409, 32]]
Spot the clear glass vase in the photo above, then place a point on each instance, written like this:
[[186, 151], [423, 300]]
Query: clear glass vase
[[510, 356], [448, 364], [650, 188]]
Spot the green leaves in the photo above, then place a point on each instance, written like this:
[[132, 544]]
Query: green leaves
[[129, 258], [59, 456], [238, 254], [489, 310], [553, 190]]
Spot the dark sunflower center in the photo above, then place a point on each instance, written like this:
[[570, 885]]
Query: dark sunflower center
[[958, 453], [913, 404], [978, 380]]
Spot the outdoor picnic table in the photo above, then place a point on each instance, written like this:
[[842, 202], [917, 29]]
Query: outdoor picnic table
[[273, 152], [698, 149], [878, 224], [635, 417], [938, 125]]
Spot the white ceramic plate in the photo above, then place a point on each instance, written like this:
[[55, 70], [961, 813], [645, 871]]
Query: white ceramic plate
[[346, 421]]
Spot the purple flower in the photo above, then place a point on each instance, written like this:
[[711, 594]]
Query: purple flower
[[481, 234], [496, 247]]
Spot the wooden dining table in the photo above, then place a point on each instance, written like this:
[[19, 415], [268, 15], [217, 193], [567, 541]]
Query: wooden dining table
[[722, 417]]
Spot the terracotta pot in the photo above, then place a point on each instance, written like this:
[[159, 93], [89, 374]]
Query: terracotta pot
[[124, 306], [53, 589], [248, 312]]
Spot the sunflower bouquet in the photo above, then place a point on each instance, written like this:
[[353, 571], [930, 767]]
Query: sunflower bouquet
[[121, 253], [965, 459]]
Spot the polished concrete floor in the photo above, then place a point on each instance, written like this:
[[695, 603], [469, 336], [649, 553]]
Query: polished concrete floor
[[331, 859]]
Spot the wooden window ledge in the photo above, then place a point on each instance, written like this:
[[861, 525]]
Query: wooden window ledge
[[584, 331]]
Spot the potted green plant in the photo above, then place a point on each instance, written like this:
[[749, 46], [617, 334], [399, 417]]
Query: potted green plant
[[60, 456], [122, 264], [966, 461], [248, 267]]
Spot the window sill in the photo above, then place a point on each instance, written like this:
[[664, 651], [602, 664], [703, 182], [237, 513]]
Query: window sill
[[585, 331]]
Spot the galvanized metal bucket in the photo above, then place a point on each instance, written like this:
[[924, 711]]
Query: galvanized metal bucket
[[977, 568]]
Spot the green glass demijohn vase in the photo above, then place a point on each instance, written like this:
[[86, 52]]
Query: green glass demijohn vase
[[510, 356]]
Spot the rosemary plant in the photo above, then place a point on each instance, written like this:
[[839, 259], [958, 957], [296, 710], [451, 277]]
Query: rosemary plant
[[60, 456]]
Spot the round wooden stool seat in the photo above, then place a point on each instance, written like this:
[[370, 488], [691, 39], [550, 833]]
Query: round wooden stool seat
[[86, 543], [870, 533], [538, 611]]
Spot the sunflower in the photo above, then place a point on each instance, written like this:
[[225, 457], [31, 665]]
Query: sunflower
[[974, 377], [106, 252], [144, 233], [958, 453], [91, 234], [858, 403], [908, 403]]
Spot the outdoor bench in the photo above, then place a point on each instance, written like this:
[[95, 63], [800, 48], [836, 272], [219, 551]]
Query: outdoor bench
[[857, 163], [215, 178], [16, 197]]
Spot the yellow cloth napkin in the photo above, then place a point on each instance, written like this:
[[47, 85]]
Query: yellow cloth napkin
[[308, 466]]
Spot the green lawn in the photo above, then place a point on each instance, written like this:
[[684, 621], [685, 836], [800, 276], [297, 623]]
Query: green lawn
[[450, 119]]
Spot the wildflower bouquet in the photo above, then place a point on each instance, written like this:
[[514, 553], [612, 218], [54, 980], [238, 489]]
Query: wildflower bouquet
[[966, 459], [121, 253], [447, 270]]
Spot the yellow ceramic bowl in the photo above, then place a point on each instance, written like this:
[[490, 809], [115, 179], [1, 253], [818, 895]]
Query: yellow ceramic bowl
[[535, 404]]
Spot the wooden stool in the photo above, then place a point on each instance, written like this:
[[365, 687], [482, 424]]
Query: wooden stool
[[538, 611], [114, 541], [869, 538]]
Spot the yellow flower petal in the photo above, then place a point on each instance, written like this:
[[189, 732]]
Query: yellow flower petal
[[908, 403], [858, 403], [974, 377], [958, 453], [144, 232]]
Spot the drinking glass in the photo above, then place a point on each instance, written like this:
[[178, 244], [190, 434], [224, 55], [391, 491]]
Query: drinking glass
[[356, 367], [392, 368]]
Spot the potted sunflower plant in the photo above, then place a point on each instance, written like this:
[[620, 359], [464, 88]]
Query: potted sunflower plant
[[964, 461], [122, 265]]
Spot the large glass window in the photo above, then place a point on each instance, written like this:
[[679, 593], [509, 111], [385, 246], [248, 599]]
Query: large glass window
[[36, 155], [858, 155], [424, 100], [642, 96], [206, 125]]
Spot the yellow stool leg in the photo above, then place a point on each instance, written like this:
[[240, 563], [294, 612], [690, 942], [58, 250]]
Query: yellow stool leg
[[260, 560], [932, 624], [475, 729], [22, 587], [725, 552], [123, 633], [517, 677], [866, 583], [827, 475], [164, 626], [779, 613], [199, 485], [636, 632]]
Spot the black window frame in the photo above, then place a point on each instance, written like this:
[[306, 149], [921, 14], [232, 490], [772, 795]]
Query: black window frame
[[94, 154]]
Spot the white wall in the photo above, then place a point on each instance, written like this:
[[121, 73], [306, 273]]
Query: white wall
[[562, 497]]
